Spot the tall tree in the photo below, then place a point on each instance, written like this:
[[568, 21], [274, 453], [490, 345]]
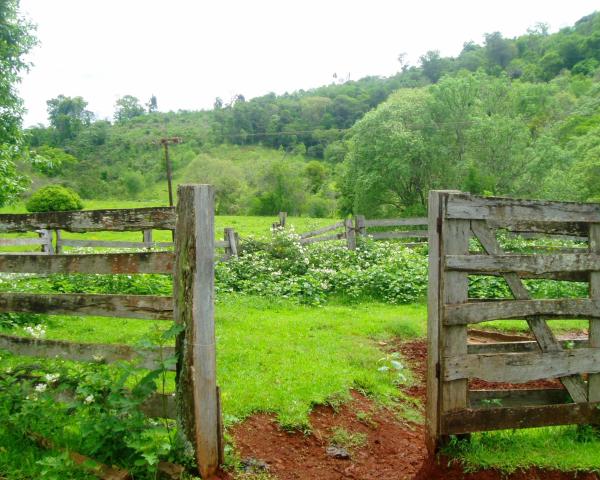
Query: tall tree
[[68, 115], [16, 39], [128, 107]]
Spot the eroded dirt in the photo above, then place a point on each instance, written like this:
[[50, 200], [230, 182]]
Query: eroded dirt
[[394, 449]]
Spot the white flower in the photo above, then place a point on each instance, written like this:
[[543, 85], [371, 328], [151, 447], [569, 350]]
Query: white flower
[[41, 387], [89, 399], [36, 332], [52, 377]]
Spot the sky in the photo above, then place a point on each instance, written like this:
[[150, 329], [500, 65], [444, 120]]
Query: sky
[[188, 52]]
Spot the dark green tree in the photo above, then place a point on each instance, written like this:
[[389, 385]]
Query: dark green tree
[[68, 116], [128, 107]]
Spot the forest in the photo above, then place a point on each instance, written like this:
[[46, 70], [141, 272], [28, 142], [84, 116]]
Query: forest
[[513, 116]]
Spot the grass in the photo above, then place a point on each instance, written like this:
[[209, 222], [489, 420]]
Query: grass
[[520, 326], [566, 449], [277, 356]]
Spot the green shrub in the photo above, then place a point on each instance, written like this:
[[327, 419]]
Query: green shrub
[[54, 198]]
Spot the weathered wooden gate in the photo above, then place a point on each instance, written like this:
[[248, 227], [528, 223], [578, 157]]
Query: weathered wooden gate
[[192, 305], [454, 408]]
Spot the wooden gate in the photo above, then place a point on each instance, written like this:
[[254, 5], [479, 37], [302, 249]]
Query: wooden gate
[[452, 407], [192, 305]]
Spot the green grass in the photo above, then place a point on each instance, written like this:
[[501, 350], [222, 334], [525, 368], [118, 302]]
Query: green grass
[[277, 356], [566, 449]]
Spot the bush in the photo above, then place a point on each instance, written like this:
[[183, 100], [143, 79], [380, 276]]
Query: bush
[[54, 198]]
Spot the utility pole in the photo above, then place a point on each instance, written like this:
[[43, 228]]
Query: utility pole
[[165, 143]]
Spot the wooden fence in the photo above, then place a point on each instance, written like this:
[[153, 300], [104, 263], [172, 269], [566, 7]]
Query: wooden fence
[[452, 406], [196, 405], [350, 230], [230, 242]]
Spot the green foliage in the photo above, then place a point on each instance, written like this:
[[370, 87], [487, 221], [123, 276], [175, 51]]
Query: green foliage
[[16, 40], [68, 116], [54, 198], [128, 107]]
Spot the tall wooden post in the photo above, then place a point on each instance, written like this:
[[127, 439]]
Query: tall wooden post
[[350, 234], [594, 332], [193, 297], [231, 250], [147, 238], [359, 223], [282, 219], [46, 236]]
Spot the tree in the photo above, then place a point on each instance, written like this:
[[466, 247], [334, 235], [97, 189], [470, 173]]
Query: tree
[[499, 51], [128, 107], [68, 115], [152, 104], [16, 39], [433, 65]]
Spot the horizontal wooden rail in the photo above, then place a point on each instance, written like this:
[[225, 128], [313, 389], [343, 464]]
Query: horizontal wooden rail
[[524, 264], [501, 418], [112, 244], [109, 263], [464, 206], [322, 230], [128, 306], [16, 242], [518, 397], [84, 352], [477, 312], [520, 347], [390, 235], [395, 222], [522, 367], [161, 218], [324, 238], [552, 229]]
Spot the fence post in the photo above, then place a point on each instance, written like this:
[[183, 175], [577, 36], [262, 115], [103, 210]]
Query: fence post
[[193, 302], [147, 237], [361, 229], [46, 236], [594, 331], [350, 234], [282, 219], [58, 248], [229, 235]]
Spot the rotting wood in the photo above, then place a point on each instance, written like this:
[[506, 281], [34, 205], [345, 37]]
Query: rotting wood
[[350, 234], [193, 291], [594, 331], [476, 420], [396, 222], [83, 352], [161, 218], [524, 264], [477, 312], [321, 230], [108, 263], [522, 367], [482, 208], [20, 241], [517, 398], [520, 347], [67, 242], [541, 331], [126, 306]]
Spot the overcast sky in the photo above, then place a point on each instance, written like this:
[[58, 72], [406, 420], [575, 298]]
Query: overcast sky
[[187, 52]]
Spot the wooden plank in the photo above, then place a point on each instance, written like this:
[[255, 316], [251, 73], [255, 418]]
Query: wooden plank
[[321, 230], [541, 331], [282, 219], [477, 312], [571, 229], [69, 242], [350, 234], [520, 347], [324, 238], [231, 241], [389, 235], [477, 420], [594, 332], [109, 263], [396, 222], [483, 208], [524, 264], [160, 405], [432, 413], [360, 226], [162, 218], [17, 242], [455, 240], [83, 352], [522, 367], [518, 397], [197, 404], [221, 244], [126, 306]]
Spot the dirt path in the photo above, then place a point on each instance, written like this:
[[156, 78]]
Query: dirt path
[[393, 449]]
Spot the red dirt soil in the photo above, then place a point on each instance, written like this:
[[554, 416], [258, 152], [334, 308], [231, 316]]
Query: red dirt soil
[[394, 449]]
